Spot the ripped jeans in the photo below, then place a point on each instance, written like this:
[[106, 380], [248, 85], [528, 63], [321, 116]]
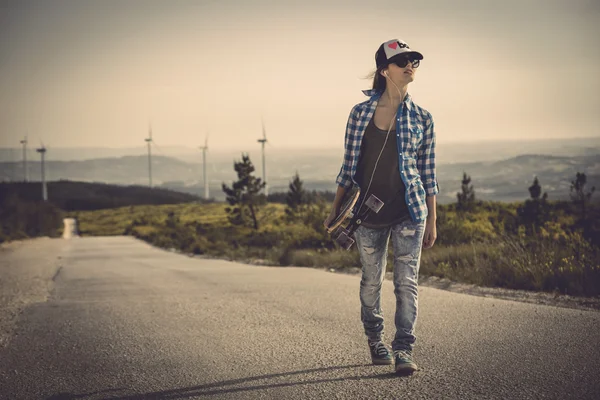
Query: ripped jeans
[[407, 239]]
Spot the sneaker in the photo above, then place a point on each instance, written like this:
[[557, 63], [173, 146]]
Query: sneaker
[[380, 355], [404, 362]]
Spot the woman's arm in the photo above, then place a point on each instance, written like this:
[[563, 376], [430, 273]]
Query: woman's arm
[[426, 161], [344, 179], [431, 207]]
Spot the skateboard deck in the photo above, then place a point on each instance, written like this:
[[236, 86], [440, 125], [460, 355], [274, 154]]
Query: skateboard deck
[[348, 202], [341, 234]]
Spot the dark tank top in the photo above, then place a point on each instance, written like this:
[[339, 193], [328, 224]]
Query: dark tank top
[[386, 184]]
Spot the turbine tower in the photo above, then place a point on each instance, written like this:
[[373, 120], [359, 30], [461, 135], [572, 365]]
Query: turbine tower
[[42, 151], [262, 142], [204, 150], [24, 143], [149, 141]]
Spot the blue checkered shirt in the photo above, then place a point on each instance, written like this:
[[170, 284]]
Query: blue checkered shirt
[[415, 139]]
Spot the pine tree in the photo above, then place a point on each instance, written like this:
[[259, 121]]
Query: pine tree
[[535, 211], [466, 198], [535, 190], [244, 194], [578, 195], [296, 198]]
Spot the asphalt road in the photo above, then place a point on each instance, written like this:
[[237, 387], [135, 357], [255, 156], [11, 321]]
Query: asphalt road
[[123, 320]]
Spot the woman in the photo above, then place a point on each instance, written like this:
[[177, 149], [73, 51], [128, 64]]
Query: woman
[[390, 152]]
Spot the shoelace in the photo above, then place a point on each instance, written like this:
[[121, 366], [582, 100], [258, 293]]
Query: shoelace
[[380, 348], [402, 354]]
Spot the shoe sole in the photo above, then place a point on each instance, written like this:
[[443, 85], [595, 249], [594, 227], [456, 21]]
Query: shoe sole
[[382, 362], [406, 368]]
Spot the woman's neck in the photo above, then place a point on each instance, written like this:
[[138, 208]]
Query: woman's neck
[[392, 96]]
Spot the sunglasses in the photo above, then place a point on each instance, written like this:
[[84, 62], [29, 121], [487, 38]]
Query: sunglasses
[[403, 62]]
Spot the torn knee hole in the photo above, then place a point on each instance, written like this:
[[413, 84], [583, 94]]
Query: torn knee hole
[[369, 250]]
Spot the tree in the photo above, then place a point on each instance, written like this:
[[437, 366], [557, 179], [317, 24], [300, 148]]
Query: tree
[[466, 198], [296, 199], [535, 211], [244, 194], [578, 195]]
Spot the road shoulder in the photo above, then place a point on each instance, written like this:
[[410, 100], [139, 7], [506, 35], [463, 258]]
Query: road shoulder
[[27, 272]]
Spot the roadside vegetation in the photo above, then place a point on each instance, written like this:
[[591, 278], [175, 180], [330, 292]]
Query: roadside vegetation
[[538, 244]]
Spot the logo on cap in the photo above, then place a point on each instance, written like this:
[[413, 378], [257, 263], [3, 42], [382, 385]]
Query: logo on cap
[[395, 44], [395, 47]]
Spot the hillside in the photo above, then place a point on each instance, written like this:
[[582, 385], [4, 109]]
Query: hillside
[[499, 180], [69, 195]]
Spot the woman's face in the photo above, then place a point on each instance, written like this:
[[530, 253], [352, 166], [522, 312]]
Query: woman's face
[[402, 75]]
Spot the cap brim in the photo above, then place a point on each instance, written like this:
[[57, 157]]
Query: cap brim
[[416, 54]]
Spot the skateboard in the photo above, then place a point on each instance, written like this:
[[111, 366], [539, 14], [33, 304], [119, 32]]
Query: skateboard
[[346, 222]]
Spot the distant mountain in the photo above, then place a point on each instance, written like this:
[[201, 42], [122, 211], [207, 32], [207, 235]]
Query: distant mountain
[[447, 152], [509, 180], [130, 170], [502, 180]]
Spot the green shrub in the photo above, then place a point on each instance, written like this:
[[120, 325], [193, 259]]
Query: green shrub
[[24, 219], [572, 267]]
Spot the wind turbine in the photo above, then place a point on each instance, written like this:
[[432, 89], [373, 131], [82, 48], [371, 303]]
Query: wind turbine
[[42, 151], [24, 143], [204, 150], [149, 141], [262, 142]]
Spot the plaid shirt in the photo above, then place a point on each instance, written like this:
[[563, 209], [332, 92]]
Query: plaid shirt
[[415, 139]]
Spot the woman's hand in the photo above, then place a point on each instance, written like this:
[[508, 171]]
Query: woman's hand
[[430, 233], [330, 218]]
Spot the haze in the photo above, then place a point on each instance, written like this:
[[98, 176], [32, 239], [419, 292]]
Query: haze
[[98, 73]]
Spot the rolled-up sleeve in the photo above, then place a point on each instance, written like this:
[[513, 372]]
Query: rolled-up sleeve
[[344, 178], [426, 160]]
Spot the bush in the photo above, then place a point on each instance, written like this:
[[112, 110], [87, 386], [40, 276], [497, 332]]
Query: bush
[[24, 219], [572, 267], [456, 228]]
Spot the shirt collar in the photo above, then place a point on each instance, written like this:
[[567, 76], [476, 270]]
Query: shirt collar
[[375, 94]]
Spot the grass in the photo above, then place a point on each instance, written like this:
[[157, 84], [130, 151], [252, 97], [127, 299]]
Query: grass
[[111, 222]]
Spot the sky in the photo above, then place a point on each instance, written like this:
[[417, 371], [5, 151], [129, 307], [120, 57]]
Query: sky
[[86, 73]]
